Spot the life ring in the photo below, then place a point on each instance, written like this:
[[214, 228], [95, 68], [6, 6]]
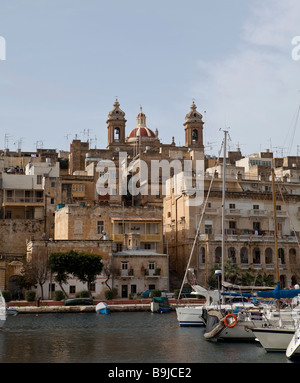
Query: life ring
[[234, 320]]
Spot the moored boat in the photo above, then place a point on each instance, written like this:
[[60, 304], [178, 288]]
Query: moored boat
[[78, 302], [102, 308], [293, 349], [160, 305], [3, 310]]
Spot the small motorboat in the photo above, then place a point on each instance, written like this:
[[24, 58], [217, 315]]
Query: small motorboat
[[102, 308], [160, 305], [78, 302]]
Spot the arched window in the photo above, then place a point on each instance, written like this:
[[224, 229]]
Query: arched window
[[281, 256], [244, 256], [269, 256], [116, 134], [202, 255], [218, 254], [195, 135], [231, 254], [292, 256], [256, 256]]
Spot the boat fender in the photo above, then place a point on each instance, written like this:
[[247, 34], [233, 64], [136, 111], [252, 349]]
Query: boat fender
[[218, 328], [231, 324]]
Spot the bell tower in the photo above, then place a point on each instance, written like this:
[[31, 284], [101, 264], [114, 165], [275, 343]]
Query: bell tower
[[116, 125], [193, 127]]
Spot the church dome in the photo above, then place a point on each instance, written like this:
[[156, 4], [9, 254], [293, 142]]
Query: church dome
[[141, 130]]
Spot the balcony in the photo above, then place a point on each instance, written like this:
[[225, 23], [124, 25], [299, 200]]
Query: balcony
[[127, 273], [247, 238], [143, 237], [233, 212], [258, 213], [28, 201]]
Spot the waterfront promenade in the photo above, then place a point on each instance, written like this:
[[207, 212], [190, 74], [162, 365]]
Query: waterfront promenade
[[115, 305]]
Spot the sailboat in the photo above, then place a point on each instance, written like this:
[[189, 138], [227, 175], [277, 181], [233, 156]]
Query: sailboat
[[192, 315], [3, 310], [278, 336], [293, 349], [197, 315], [245, 321]]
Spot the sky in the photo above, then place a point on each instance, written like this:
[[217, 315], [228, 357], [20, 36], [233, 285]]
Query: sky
[[66, 61]]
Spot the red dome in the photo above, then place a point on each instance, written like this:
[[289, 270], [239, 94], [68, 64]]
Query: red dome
[[144, 132]]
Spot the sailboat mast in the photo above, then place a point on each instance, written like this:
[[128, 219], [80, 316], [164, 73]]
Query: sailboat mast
[[223, 206]]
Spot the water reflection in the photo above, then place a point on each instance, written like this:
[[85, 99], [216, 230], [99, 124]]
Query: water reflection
[[118, 337]]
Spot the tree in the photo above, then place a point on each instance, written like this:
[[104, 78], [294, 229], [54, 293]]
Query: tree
[[36, 272], [60, 264], [84, 266]]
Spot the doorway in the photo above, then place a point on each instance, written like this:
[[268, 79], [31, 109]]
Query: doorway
[[124, 293]]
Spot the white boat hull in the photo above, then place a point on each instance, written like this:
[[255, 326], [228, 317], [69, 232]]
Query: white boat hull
[[293, 348], [190, 316], [2, 317], [274, 339], [241, 331]]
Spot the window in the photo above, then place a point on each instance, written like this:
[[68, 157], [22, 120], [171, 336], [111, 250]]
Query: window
[[100, 227], [133, 289], [9, 195], [256, 256], [119, 247], [124, 269], [232, 224], [51, 287], [256, 227], [151, 265], [116, 134], [255, 207], [72, 289], [232, 206], [281, 256], [278, 207], [124, 266], [208, 229], [269, 256], [195, 135], [232, 254], [244, 256], [147, 246], [92, 286], [39, 179], [78, 187], [202, 256], [77, 227]]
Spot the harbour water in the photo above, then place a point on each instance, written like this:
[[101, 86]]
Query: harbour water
[[120, 337]]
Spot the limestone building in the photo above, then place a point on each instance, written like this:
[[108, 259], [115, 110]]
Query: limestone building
[[249, 221]]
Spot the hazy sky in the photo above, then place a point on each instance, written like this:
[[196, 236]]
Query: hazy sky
[[67, 61]]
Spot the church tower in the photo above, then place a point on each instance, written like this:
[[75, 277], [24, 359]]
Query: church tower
[[116, 125], [193, 127]]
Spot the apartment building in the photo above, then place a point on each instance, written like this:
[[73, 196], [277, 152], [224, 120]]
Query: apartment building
[[249, 222]]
